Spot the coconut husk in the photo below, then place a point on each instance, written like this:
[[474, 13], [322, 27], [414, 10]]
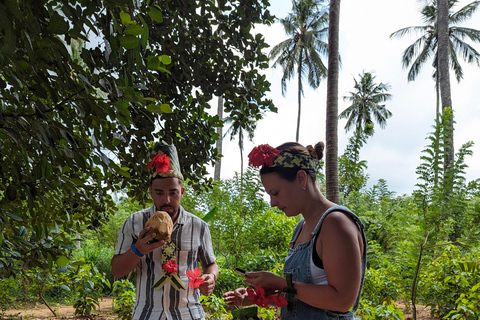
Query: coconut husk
[[160, 223]]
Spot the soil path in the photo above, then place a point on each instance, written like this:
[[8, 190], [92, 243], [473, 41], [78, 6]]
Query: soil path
[[105, 312], [41, 312]]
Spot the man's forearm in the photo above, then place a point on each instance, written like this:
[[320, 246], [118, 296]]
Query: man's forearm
[[124, 263]]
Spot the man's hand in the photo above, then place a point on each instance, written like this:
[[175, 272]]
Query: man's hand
[[124, 263], [206, 288], [144, 244]]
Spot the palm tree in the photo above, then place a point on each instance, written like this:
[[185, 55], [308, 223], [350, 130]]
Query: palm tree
[[426, 46], [331, 157], [300, 55], [438, 16], [241, 123], [444, 75], [366, 104]]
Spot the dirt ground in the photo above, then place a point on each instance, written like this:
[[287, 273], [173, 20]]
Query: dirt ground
[[105, 312]]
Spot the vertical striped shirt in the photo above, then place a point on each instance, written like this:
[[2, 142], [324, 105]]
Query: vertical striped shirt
[[192, 238]]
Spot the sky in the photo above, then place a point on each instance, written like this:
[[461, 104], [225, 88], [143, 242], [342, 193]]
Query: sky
[[392, 153]]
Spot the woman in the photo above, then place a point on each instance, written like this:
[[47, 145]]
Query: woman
[[325, 265]]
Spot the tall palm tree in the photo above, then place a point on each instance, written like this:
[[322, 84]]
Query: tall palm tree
[[331, 156], [366, 104], [425, 47], [300, 55], [444, 74], [241, 123], [428, 45]]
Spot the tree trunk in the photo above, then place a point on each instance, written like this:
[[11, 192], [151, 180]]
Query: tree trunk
[[331, 154], [444, 73], [299, 96], [218, 164]]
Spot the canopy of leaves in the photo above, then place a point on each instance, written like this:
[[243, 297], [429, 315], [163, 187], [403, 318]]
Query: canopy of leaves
[[85, 86]]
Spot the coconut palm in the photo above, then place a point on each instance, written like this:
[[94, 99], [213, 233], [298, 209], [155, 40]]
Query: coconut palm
[[366, 104], [331, 157], [300, 55], [425, 47]]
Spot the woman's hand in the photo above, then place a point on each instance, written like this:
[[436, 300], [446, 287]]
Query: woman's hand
[[268, 280], [238, 297]]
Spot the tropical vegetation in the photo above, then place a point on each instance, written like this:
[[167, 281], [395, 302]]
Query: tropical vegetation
[[85, 86]]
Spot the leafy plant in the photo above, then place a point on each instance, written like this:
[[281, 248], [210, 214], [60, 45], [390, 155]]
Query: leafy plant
[[8, 288], [448, 282], [124, 298], [214, 307], [88, 285]]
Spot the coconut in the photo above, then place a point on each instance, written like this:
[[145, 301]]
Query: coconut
[[160, 223]]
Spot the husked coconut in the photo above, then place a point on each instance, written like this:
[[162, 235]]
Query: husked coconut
[[160, 223]]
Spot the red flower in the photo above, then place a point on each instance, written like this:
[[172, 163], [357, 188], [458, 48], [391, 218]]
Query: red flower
[[195, 280], [263, 154], [170, 266], [161, 163], [258, 296], [278, 299]]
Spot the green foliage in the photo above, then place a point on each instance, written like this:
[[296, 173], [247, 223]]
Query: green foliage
[[88, 285], [124, 298], [387, 310], [98, 254], [214, 307], [351, 170], [448, 284], [8, 293], [239, 232], [383, 286], [442, 190], [83, 83]]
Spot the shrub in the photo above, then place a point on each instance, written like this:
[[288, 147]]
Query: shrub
[[124, 298], [448, 284]]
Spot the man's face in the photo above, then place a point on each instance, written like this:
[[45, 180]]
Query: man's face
[[166, 194]]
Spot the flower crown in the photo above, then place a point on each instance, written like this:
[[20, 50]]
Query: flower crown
[[265, 155], [163, 161]]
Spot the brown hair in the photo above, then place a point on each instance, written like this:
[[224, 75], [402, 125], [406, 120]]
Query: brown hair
[[290, 174]]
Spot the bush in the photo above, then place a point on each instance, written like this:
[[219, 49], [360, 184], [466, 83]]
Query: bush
[[88, 285], [124, 298], [448, 284], [382, 287], [8, 292]]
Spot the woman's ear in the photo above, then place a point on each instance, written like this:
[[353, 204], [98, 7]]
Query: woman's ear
[[302, 178]]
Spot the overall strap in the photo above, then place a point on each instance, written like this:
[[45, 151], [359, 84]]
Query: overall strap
[[361, 227]]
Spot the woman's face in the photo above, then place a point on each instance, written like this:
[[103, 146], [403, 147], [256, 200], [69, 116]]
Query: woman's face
[[283, 194]]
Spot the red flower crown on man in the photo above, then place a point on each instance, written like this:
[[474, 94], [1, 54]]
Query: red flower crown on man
[[163, 161]]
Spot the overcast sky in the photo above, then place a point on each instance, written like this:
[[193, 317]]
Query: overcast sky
[[393, 153]]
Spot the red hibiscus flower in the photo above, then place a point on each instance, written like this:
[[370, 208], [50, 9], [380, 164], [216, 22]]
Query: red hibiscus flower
[[263, 154], [258, 296], [278, 299], [170, 266], [195, 280], [161, 163]]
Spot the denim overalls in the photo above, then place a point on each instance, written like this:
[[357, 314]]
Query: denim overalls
[[298, 263]]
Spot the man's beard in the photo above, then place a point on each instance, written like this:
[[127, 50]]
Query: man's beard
[[171, 210]]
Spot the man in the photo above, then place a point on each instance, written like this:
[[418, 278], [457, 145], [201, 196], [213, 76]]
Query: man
[[164, 292]]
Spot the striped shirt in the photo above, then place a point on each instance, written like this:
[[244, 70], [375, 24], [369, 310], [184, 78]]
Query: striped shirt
[[192, 238]]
